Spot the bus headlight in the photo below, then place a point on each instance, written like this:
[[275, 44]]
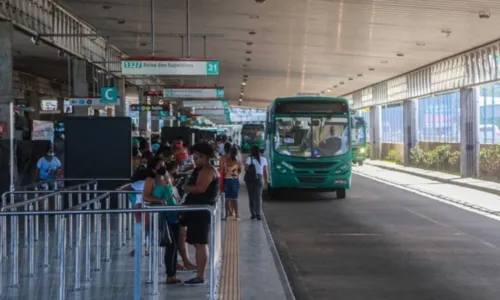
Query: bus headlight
[[343, 168]]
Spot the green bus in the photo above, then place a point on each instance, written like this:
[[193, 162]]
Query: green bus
[[358, 139], [252, 134], [308, 144]]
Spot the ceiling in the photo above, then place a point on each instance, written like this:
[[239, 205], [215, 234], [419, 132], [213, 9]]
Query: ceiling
[[299, 45]]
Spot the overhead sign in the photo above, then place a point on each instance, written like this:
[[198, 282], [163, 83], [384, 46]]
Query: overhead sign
[[153, 93], [194, 93], [109, 95], [308, 94], [84, 101], [146, 107], [206, 104], [42, 131], [158, 66]]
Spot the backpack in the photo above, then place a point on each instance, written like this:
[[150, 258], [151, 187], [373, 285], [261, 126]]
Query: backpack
[[251, 173]]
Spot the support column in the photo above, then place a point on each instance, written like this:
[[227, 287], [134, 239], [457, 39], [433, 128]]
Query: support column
[[375, 132], [143, 115], [410, 122], [155, 121], [121, 110], [80, 84], [7, 141], [469, 132]]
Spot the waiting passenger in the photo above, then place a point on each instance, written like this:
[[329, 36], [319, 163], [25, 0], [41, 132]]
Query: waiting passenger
[[256, 171], [230, 167], [47, 168], [138, 182], [180, 153], [201, 189]]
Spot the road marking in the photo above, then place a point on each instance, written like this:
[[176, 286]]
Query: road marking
[[434, 197]]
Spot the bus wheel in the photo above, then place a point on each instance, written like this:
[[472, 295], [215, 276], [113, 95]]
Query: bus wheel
[[341, 193], [360, 163]]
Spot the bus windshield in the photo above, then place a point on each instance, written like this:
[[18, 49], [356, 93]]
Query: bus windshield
[[252, 132], [311, 136], [358, 132]]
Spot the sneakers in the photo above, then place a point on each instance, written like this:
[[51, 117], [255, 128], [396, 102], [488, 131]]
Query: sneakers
[[194, 282]]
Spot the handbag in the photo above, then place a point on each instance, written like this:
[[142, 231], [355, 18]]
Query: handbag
[[164, 232]]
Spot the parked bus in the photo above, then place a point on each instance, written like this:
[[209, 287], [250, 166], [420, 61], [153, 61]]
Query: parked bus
[[358, 139], [308, 144], [252, 134]]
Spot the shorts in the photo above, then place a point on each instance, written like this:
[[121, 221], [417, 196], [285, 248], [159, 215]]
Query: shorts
[[231, 188], [198, 228]]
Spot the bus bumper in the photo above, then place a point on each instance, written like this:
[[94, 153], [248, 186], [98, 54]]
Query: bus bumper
[[330, 182]]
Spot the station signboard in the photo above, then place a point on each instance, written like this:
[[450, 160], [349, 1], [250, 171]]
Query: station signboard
[[173, 66], [206, 104], [194, 93], [148, 107], [153, 93], [86, 101]]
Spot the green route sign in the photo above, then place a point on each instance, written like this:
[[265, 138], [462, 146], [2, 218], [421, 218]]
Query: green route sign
[[170, 67]]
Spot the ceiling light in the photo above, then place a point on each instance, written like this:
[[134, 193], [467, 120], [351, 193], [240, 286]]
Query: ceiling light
[[384, 62], [371, 69], [484, 15], [420, 44], [350, 78], [245, 80], [249, 43], [120, 22], [341, 82], [254, 17], [106, 6], [328, 90], [335, 86], [240, 100], [248, 59], [252, 32], [243, 83], [241, 94], [260, 1], [360, 75], [322, 92], [248, 52], [400, 54], [245, 65]]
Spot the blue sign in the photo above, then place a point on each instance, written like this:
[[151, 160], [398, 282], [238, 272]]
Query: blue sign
[[109, 95]]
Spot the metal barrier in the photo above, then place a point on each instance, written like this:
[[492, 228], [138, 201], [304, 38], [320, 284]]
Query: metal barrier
[[27, 201], [81, 216]]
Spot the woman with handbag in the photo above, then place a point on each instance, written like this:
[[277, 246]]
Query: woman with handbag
[[158, 190]]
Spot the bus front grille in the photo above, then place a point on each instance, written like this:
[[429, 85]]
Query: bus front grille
[[311, 164], [311, 179]]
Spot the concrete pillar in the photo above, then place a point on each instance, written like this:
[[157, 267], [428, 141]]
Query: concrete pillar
[[8, 177], [469, 132], [375, 132], [155, 121], [410, 121], [143, 115], [80, 84], [121, 110]]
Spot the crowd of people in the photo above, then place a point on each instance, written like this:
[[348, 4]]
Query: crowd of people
[[187, 175]]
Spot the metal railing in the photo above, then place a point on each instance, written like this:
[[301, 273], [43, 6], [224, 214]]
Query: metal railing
[[74, 227]]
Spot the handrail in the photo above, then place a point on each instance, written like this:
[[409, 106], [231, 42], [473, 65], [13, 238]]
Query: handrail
[[28, 202], [87, 203], [21, 192]]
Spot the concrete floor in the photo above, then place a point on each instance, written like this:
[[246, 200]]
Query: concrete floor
[[384, 243]]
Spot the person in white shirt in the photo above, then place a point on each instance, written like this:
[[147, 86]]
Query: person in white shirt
[[255, 187]]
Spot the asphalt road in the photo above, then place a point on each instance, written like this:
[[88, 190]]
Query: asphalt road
[[384, 243]]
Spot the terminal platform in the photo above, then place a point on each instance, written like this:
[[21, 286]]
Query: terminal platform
[[249, 269]]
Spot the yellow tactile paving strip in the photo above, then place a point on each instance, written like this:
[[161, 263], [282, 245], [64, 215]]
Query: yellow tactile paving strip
[[230, 276]]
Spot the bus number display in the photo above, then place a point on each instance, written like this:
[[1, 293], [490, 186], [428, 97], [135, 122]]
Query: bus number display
[[311, 106]]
